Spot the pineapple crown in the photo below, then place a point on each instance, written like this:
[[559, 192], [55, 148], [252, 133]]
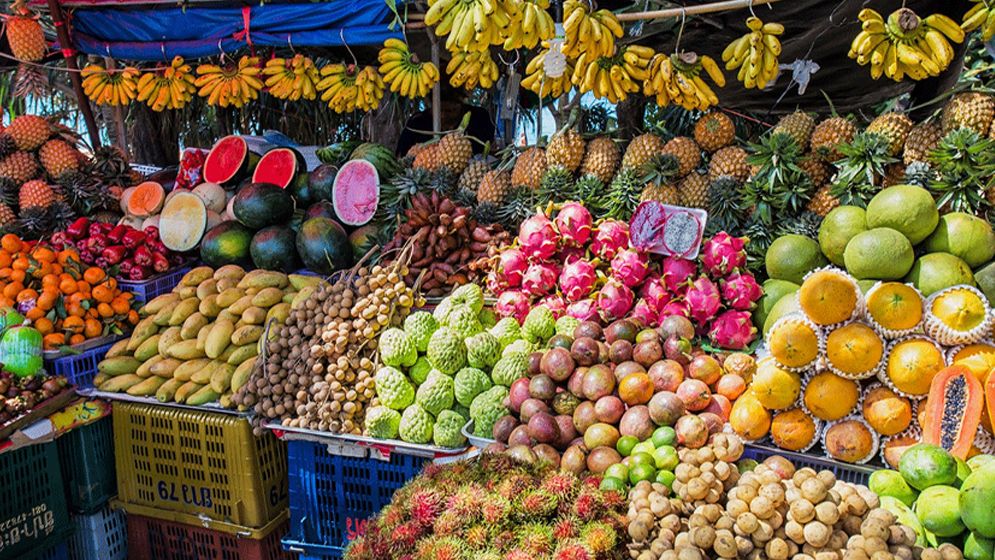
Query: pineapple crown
[[861, 169], [780, 185], [965, 166], [660, 169]]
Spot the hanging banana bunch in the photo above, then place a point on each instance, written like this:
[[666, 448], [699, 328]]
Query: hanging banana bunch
[[169, 88], [345, 88], [231, 85], [473, 25], [615, 77], [539, 82], [404, 72], [109, 87], [905, 44], [755, 54], [980, 16], [537, 25], [292, 78], [587, 32], [470, 69], [679, 79]]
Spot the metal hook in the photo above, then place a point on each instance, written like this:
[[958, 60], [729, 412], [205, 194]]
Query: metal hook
[[505, 62], [222, 51], [107, 47], [162, 47], [291, 44], [752, 13], [680, 31], [346, 45]]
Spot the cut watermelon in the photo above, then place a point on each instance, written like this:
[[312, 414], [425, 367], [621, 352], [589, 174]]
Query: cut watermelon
[[229, 161], [282, 167], [183, 221], [356, 192]]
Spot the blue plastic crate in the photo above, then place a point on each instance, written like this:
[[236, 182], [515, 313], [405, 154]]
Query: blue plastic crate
[[99, 536], [57, 552], [86, 455], [856, 474], [33, 513], [79, 369], [159, 284], [306, 551], [332, 497]]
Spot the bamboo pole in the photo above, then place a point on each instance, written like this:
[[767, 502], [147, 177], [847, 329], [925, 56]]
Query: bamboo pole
[[117, 114], [74, 76], [437, 88]]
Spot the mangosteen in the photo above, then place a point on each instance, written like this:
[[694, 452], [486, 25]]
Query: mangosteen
[[585, 351], [560, 341], [588, 329], [542, 387], [622, 329], [620, 351], [557, 363], [648, 352]]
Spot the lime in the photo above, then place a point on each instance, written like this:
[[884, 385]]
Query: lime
[[618, 470], [664, 435], [644, 447], [666, 458], [666, 478], [641, 472], [641, 459], [625, 444], [612, 483]]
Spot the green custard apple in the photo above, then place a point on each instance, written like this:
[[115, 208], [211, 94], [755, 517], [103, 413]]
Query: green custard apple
[[446, 351], [416, 425], [436, 393], [468, 383], [483, 350], [468, 295], [463, 321], [509, 368], [383, 422], [397, 349], [419, 326], [393, 388], [446, 432], [506, 331], [539, 324]]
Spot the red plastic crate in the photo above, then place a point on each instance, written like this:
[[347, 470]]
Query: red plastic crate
[[166, 540]]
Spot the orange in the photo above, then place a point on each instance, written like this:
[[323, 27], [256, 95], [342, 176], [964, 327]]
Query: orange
[[854, 349], [53, 340], [961, 309], [94, 275], [792, 429], [72, 324], [774, 387], [10, 243], [44, 325], [92, 328], [912, 364], [828, 297], [77, 339], [793, 343], [103, 293], [105, 310], [830, 397]]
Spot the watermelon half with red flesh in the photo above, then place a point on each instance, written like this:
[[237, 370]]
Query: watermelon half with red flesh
[[283, 167], [229, 161], [356, 192]]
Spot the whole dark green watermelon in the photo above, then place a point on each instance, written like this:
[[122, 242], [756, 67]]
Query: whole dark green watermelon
[[381, 158], [321, 209], [226, 243], [262, 204], [274, 248], [320, 181], [324, 246]]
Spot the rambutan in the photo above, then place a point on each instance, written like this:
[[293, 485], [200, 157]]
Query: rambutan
[[476, 536], [514, 485], [391, 516], [516, 554], [404, 536], [562, 484], [614, 500], [536, 539], [495, 510], [502, 539], [565, 528], [592, 481], [589, 505], [439, 548], [573, 551], [424, 506], [536, 504], [449, 523], [600, 537]]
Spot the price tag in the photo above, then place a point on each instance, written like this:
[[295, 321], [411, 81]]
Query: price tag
[[668, 230]]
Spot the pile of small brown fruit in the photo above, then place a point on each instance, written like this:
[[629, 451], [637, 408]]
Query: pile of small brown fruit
[[18, 395]]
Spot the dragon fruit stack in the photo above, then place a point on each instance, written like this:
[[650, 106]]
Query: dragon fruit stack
[[590, 271]]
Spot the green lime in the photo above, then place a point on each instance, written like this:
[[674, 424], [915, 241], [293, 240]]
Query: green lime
[[641, 472], [641, 459], [618, 470], [644, 447], [664, 435], [625, 444], [666, 478], [666, 458], [612, 483]]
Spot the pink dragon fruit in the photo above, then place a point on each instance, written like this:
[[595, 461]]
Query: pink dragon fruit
[[539, 279], [740, 290], [574, 222], [655, 293], [676, 306], [513, 303], [569, 253], [585, 310], [704, 300], [493, 284], [577, 279], [677, 272], [511, 267], [555, 304], [614, 300], [732, 329], [537, 237], [610, 237], [723, 253], [645, 313], [630, 266]]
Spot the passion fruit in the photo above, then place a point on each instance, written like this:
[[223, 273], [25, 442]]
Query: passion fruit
[[676, 325], [648, 352], [609, 409], [665, 408], [574, 460], [584, 416], [637, 422], [694, 393], [543, 428], [635, 388], [705, 368], [557, 363], [600, 458], [585, 351], [588, 329], [691, 430], [620, 351], [666, 375], [601, 434], [542, 387], [598, 382]]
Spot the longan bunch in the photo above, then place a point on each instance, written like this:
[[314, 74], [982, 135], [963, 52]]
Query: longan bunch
[[757, 507], [705, 474], [654, 520], [881, 538]]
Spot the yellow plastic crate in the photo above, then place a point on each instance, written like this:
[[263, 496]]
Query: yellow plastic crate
[[205, 466]]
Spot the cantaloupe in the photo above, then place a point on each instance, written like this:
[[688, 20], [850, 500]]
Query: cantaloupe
[[213, 196], [183, 221], [146, 199], [125, 198]]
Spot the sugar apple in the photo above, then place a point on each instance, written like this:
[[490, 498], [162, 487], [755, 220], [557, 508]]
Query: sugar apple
[[507, 331], [469, 295], [446, 351], [483, 350], [416, 425], [463, 321], [382, 422], [419, 372], [539, 325], [446, 432], [441, 311], [397, 349], [519, 346], [566, 325], [393, 388], [487, 318], [436, 393], [463, 411], [509, 368], [486, 409], [468, 383], [420, 325]]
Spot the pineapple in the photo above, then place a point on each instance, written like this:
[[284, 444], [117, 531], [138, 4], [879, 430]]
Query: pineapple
[[519, 204], [555, 185], [31, 81], [687, 152], [641, 149], [494, 187], [919, 173], [58, 158], [817, 171], [663, 193], [27, 132], [970, 109], [729, 162], [110, 165], [84, 193], [965, 166], [601, 159], [714, 130], [829, 134], [529, 168], [7, 218], [624, 194], [780, 186], [725, 211], [36, 193], [798, 125], [25, 35], [921, 141], [894, 127], [591, 192], [473, 175], [859, 174], [455, 151], [823, 201], [694, 191], [894, 174], [9, 192], [566, 149], [19, 167], [807, 223], [429, 158]]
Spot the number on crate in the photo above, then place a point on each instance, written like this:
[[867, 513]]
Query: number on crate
[[276, 495], [355, 528], [188, 494]]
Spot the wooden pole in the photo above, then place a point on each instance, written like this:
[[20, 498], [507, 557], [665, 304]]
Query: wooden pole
[[84, 103], [437, 88], [117, 113]]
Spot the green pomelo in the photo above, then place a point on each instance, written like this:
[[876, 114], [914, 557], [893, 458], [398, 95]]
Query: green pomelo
[[908, 209], [879, 253], [774, 290], [787, 305], [866, 285], [965, 236], [978, 548], [985, 277], [979, 461], [887, 482], [791, 257], [905, 516], [963, 471], [938, 510], [936, 271], [977, 496], [924, 465], [838, 228]]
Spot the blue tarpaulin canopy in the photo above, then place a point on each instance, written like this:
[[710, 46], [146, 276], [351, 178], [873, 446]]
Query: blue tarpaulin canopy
[[159, 33]]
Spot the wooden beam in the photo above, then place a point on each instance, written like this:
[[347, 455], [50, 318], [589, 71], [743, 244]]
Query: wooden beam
[[74, 76]]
